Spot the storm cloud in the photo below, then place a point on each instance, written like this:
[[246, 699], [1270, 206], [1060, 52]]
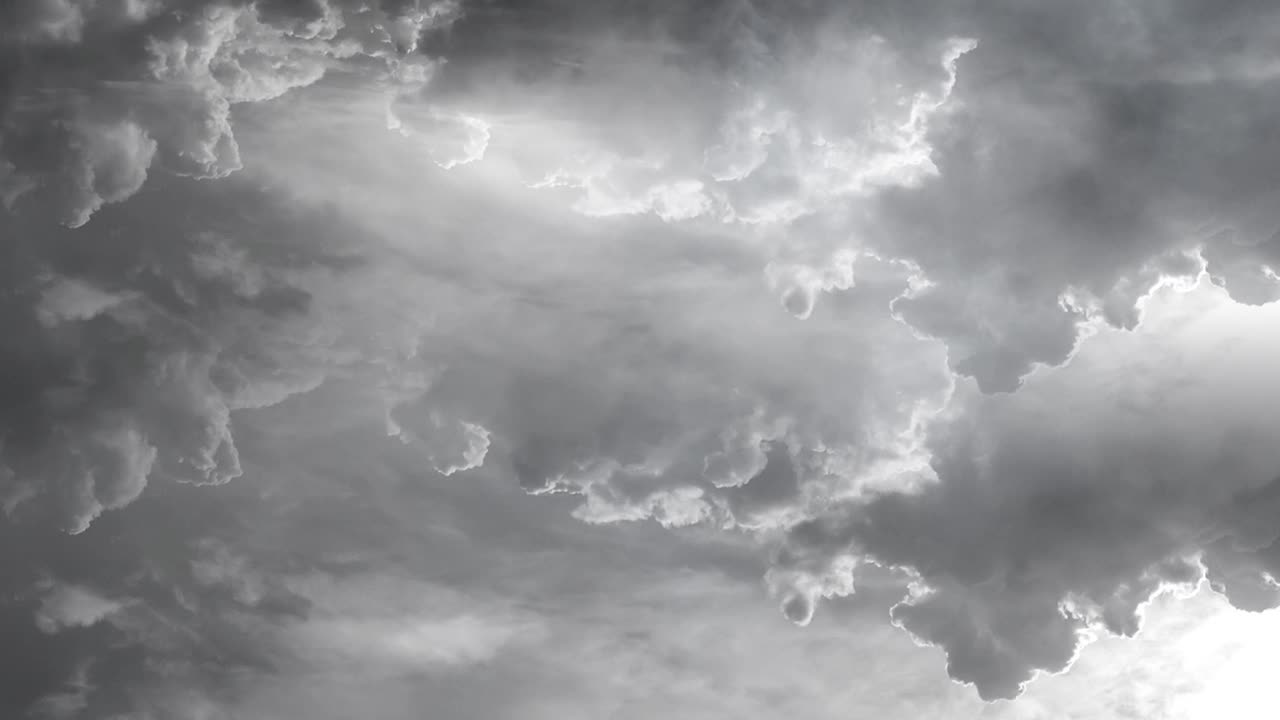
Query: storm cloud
[[961, 308]]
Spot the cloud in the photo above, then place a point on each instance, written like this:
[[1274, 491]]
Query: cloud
[[112, 162], [451, 445], [450, 138], [772, 150], [1033, 195], [69, 299], [68, 702], [407, 642], [108, 469], [71, 606], [644, 367], [1058, 513], [1005, 189], [375, 622], [683, 445], [127, 358], [617, 186], [1062, 167], [887, 286], [653, 379], [138, 85], [799, 285]]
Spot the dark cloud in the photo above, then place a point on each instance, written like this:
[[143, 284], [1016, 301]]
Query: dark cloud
[[94, 93], [126, 356], [873, 281], [1055, 513], [1062, 155], [1073, 161]]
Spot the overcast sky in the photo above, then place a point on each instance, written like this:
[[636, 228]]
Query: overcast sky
[[634, 359]]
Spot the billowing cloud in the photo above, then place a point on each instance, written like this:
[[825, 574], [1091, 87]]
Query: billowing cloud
[[122, 370], [963, 293], [395, 634], [1008, 190], [131, 84], [71, 606], [449, 139], [1057, 513], [1064, 167]]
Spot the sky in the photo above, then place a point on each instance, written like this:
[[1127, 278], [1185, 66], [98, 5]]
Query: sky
[[632, 359]]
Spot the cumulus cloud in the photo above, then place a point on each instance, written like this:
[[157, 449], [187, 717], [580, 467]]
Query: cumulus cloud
[[1005, 189], [137, 84], [69, 299], [609, 185], [1057, 512], [1032, 196], [69, 701], [111, 164], [128, 368], [956, 214], [449, 138], [774, 147], [409, 642]]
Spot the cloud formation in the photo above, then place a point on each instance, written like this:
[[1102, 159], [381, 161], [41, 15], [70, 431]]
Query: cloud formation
[[1030, 195], [96, 93], [966, 291], [71, 606], [1012, 173], [1057, 512], [125, 360]]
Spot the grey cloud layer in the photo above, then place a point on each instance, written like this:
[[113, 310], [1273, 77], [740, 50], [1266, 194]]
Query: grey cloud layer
[[98, 92], [1069, 155], [1069, 164], [865, 282]]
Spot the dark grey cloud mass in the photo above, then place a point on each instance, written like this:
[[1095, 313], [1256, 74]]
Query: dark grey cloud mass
[[344, 342], [1041, 526]]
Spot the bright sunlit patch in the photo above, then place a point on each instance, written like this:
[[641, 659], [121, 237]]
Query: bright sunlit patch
[[1234, 655], [1196, 658]]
